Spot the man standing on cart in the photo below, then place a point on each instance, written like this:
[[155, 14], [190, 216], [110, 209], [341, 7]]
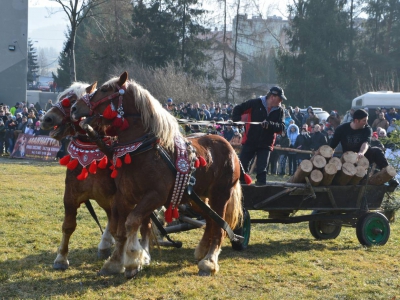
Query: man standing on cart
[[356, 136], [259, 138]]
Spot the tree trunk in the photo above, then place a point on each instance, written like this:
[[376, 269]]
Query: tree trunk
[[325, 151], [329, 173], [349, 157], [336, 161], [318, 161], [360, 173], [316, 177], [303, 170], [382, 176], [345, 174]]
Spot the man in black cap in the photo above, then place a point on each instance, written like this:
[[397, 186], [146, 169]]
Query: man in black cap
[[356, 136], [259, 138]]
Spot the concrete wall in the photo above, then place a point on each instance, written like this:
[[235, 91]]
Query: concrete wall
[[13, 64]]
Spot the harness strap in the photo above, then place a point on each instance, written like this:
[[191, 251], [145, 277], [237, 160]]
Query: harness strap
[[93, 213], [162, 230], [208, 210]]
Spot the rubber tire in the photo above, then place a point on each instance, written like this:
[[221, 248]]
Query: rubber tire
[[322, 231], [365, 226], [243, 231]]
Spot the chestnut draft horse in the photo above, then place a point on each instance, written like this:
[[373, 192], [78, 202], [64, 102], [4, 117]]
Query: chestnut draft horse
[[99, 187], [147, 182]]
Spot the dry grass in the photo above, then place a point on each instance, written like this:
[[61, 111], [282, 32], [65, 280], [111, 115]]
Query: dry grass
[[282, 261]]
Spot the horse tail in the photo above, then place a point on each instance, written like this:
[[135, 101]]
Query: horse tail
[[234, 209]]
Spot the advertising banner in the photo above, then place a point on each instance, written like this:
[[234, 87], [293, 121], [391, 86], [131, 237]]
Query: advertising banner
[[40, 147]]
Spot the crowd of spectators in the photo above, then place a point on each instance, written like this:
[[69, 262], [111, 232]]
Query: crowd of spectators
[[20, 118], [304, 131]]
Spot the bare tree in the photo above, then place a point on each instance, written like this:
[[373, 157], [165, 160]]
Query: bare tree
[[76, 11]]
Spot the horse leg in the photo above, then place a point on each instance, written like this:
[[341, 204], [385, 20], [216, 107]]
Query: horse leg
[[69, 225], [114, 264], [204, 244], [145, 232], [106, 242]]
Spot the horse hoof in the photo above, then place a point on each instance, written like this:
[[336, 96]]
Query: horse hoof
[[204, 273], [129, 274], [60, 266], [103, 253]]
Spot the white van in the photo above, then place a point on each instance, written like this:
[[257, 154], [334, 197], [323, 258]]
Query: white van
[[373, 100]]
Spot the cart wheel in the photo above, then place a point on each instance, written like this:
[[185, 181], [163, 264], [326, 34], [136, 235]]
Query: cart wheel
[[243, 231], [324, 230], [373, 229]]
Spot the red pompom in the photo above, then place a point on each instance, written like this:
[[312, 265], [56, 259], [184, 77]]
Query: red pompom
[[127, 159], [84, 174], [197, 163], [93, 167], [65, 102], [65, 160], [117, 122], [114, 173], [125, 124], [103, 162], [112, 167], [118, 164], [109, 113], [247, 178], [168, 214], [72, 164], [203, 162], [175, 213]]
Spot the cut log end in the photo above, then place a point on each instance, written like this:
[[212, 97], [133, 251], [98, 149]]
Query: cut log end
[[325, 151], [316, 177]]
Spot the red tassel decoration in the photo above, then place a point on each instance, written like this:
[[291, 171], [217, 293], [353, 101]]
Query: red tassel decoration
[[127, 159], [247, 178], [203, 162], [125, 124], [93, 167], [175, 213], [103, 163], [117, 122], [112, 167], [84, 174], [109, 113], [118, 164], [197, 163], [114, 173], [168, 214], [72, 164], [65, 102], [65, 160]]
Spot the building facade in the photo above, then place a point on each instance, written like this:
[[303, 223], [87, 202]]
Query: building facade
[[13, 51]]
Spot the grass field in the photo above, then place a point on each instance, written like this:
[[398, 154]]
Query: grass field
[[281, 262]]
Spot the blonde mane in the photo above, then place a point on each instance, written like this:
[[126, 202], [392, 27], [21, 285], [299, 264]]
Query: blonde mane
[[155, 118], [78, 88]]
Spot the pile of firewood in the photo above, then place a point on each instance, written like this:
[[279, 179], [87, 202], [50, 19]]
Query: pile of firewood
[[323, 169]]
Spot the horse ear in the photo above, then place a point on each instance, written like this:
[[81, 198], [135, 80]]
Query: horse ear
[[123, 78], [90, 89]]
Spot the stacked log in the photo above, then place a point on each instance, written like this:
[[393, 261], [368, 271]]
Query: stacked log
[[323, 169]]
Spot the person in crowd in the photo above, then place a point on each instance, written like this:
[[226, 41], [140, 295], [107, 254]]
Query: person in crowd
[[229, 110], [259, 138], [236, 141], [318, 139], [3, 115], [216, 114], [224, 114], [206, 111], [356, 137], [274, 158], [194, 111], [32, 108], [284, 142], [297, 116], [292, 133], [329, 135], [165, 106], [48, 105], [306, 115], [303, 142], [2, 136], [29, 128], [392, 114], [375, 142], [288, 118], [228, 133], [31, 115], [25, 112], [171, 106], [19, 108], [334, 119], [11, 126], [380, 122], [202, 115], [392, 127], [14, 108], [183, 113], [348, 117], [19, 117], [36, 131], [311, 120], [37, 106]]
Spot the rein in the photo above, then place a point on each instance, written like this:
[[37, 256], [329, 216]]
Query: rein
[[120, 93]]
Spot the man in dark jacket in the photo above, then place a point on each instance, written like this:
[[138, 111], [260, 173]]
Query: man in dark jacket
[[318, 139], [259, 138], [303, 142]]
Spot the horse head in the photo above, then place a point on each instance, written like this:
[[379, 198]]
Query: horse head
[[57, 119]]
